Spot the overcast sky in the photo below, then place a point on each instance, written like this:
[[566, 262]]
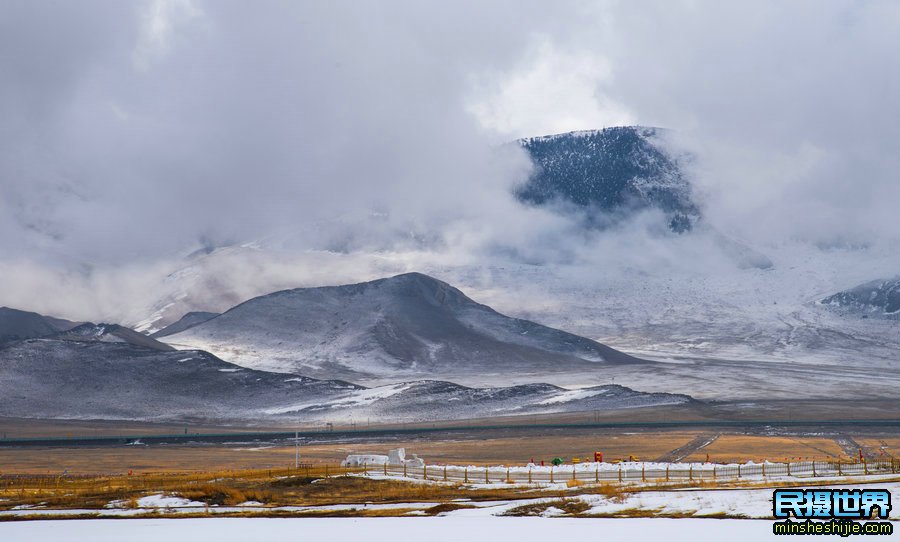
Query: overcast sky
[[134, 132]]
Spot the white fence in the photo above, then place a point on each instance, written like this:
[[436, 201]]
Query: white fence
[[635, 471]]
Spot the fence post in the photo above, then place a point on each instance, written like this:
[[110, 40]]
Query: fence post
[[839, 469], [865, 467], [814, 469], [597, 473], [714, 471], [667, 472], [764, 470], [326, 470], [424, 471], [445, 473], [404, 469], [643, 477], [486, 479], [739, 470], [466, 474], [385, 468], [365, 468], [529, 475], [691, 472], [508, 479], [573, 472], [620, 472], [788, 468], [551, 474]]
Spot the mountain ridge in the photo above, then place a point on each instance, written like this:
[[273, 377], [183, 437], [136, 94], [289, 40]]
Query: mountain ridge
[[401, 326], [17, 324], [878, 298], [54, 378]]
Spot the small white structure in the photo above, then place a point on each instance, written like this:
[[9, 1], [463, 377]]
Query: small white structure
[[395, 457], [359, 460], [398, 457]]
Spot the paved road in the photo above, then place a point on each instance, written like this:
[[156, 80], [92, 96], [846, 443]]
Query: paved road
[[341, 434], [698, 443], [853, 448]]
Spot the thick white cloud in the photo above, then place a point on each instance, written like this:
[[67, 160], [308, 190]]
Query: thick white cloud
[[549, 92], [134, 132]]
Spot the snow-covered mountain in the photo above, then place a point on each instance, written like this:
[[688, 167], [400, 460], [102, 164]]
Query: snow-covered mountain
[[403, 327], [878, 298], [610, 173], [70, 379]]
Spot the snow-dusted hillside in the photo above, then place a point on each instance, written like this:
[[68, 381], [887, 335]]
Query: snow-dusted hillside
[[68, 379], [878, 298], [110, 333], [17, 325], [49, 378], [187, 321], [407, 326], [610, 172], [437, 400]]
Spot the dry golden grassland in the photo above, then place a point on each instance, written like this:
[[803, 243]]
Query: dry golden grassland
[[314, 486], [475, 451], [888, 445], [741, 448], [509, 450], [303, 487]]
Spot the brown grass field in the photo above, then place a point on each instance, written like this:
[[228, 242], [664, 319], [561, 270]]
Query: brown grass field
[[286, 487], [313, 486], [510, 449], [488, 451], [740, 448], [228, 475], [888, 445]]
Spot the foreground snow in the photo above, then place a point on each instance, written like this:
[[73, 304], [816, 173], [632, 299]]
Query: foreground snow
[[751, 503], [438, 529]]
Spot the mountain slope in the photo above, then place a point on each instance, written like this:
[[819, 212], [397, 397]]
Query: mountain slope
[[16, 325], [407, 326], [187, 321], [878, 298], [52, 378], [610, 173], [111, 333], [69, 379], [429, 400]]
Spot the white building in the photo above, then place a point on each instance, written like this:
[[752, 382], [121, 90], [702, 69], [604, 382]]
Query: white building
[[395, 457]]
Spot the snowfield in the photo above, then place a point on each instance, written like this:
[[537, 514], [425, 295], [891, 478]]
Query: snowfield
[[436, 529], [703, 325], [749, 503]]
